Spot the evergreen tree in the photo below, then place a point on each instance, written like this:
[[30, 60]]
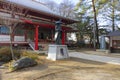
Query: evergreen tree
[[110, 11]]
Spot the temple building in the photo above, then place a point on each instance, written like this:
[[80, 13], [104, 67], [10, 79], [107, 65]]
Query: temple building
[[114, 41], [29, 23]]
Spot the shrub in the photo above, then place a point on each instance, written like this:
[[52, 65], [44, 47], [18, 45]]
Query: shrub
[[5, 54]]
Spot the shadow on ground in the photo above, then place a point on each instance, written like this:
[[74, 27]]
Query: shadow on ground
[[85, 61], [39, 67]]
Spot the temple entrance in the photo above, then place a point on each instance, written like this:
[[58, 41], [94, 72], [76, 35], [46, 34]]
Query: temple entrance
[[41, 36]]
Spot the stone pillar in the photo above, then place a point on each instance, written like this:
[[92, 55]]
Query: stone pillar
[[102, 42]]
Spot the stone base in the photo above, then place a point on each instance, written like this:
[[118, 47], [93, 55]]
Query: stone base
[[56, 52]]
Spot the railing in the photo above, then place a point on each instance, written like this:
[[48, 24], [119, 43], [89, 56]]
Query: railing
[[46, 41], [31, 44]]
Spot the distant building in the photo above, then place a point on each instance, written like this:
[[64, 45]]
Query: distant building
[[114, 41]]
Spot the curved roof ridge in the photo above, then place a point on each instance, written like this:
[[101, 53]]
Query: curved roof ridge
[[33, 5], [40, 10]]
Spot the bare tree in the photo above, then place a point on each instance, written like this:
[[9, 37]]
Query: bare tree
[[11, 22], [65, 8], [96, 24], [52, 5]]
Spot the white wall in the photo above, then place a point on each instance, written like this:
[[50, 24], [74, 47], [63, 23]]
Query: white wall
[[4, 37], [19, 38], [72, 37], [115, 38], [7, 38]]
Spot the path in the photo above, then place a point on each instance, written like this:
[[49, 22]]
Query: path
[[104, 59]]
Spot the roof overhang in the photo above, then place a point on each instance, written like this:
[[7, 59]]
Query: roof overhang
[[115, 33], [38, 13]]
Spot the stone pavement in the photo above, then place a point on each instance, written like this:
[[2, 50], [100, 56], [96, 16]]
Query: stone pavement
[[104, 59]]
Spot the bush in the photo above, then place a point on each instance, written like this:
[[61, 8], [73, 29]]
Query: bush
[[29, 54], [81, 44], [5, 54]]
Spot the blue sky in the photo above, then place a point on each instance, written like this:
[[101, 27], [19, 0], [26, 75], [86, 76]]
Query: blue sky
[[59, 1]]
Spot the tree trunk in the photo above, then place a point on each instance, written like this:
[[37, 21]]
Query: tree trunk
[[113, 14], [11, 45], [96, 26]]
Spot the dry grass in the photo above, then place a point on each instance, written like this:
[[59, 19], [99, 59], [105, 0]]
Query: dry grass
[[69, 69], [6, 56], [30, 54]]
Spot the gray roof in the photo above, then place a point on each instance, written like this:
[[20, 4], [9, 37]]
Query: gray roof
[[115, 33], [43, 10], [33, 5]]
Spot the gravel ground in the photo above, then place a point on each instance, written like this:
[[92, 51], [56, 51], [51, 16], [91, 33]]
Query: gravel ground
[[97, 52], [69, 69]]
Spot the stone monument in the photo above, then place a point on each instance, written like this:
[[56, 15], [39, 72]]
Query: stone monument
[[57, 50], [102, 43]]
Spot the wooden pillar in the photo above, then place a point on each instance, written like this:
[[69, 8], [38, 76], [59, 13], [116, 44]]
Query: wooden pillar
[[25, 34], [52, 35], [63, 37], [13, 37], [109, 45], [36, 37]]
